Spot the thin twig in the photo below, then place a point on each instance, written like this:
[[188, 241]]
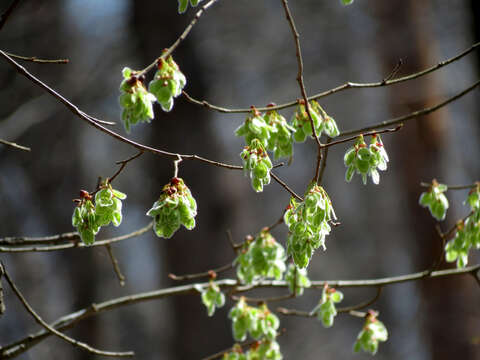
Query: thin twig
[[370, 133], [6, 14], [116, 266], [323, 165], [55, 332], [263, 300], [37, 60], [75, 110], [70, 320], [124, 163], [451, 187], [362, 305], [14, 145], [415, 114], [345, 86], [68, 236], [394, 72], [276, 223], [285, 186], [301, 84], [201, 274], [182, 37]]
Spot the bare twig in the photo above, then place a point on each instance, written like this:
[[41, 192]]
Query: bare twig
[[182, 37], [15, 243], [124, 163], [55, 332], [285, 186], [362, 305], [370, 133], [451, 187], [345, 86], [415, 114], [201, 274], [6, 14], [323, 165], [96, 124], [14, 145], [116, 266], [37, 60]]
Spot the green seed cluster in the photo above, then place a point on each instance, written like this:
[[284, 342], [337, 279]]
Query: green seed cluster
[[468, 232], [135, 100], [89, 218], [258, 322], [167, 83], [321, 120], [259, 258], [366, 160], [300, 275], [271, 129], [176, 206], [308, 225], [372, 333], [256, 164], [183, 4], [260, 350], [212, 297], [435, 200], [326, 310]]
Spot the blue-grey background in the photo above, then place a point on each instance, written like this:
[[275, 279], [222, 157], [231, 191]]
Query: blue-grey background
[[240, 53]]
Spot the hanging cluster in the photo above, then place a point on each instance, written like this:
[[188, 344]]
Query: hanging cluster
[[212, 296], [322, 122], [256, 164], [372, 333], [297, 279], [137, 103], [468, 232], [259, 258], [89, 218], [258, 322], [176, 206], [308, 225], [264, 349], [366, 160], [435, 200], [326, 310], [167, 83]]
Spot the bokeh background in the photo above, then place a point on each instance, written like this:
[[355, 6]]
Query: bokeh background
[[240, 53]]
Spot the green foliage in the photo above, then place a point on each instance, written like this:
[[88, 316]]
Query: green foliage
[[135, 100], [167, 83], [372, 333], [366, 160], [256, 164], [322, 122], [308, 224], [325, 310], [260, 258], [88, 218], [346, 2], [260, 350], [302, 280], [176, 206], [183, 4], [258, 322], [468, 232], [255, 127], [435, 200], [212, 297]]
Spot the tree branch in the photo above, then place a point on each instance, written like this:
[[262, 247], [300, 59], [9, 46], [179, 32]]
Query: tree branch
[[14, 145], [6, 14], [37, 60]]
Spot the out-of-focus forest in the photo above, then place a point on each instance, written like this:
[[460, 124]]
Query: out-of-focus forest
[[238, 54]]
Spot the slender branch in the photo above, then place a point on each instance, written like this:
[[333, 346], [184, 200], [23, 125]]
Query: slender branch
[[116, 266], [70, 320], [55, 332], [14, 145], [182, 37], [345, 86], [124, 163], [91, 121], [362, 305], [62, 237], [285, 186], [37, 60], [276, 223], [201, 274], [323, 165], [370, 133], [301, 83], [451, 187], [6, 14], [404, 118]]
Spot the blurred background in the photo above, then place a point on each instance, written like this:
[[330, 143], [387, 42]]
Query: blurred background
[[240, 53]]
